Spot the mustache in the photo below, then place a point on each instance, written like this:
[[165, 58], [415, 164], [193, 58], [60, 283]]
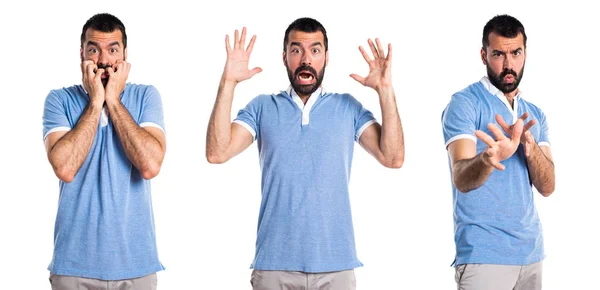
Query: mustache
[[305, 68], [506, 72]]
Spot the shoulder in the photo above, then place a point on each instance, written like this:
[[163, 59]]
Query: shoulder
[[66, 94]]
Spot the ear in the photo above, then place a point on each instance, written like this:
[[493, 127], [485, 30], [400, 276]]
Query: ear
[[125, 54], [327, 57], [483, 56], [284, 58], [81, 53]]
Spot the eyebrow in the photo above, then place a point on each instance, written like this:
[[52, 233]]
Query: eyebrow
[[96, 44], [512, 51], [316, 43]]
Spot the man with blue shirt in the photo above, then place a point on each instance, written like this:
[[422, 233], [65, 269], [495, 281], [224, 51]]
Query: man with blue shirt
[[498, 234], [105, 139], [305, 138]]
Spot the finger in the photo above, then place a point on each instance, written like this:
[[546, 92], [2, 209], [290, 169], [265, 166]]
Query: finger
[[502, 124], [110, 71], [84, 65], [251, 45], [491, 153], [528, 126], [364, 54], [524, 116], [373, 48], [517, 130], [497, 132], [527, 148], [98, 76], [243, 38], [91, 68], [487, 139], [227, 45], [236, 44], [358, 78], [255, 71], [389, 56], [381, 52]]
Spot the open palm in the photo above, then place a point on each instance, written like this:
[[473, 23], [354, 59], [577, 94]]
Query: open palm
[[380, 67], [502, 147], [236, 67]]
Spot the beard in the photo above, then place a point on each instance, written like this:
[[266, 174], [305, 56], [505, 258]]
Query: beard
[[305, 89], [498, 80]]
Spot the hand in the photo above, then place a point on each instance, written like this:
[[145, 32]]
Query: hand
[[92, 83], [526, 138], [380, 68], [117, 78], [503, 147], [236, 67]]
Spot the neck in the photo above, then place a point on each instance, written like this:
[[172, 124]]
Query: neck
[[510, 97]]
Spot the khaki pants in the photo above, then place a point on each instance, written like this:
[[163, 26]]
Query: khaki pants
[[499, 277], [288, 280], [60, 282]]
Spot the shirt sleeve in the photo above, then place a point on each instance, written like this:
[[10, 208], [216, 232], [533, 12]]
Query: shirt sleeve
[[544, 138], [459, 119], [152, 112], [248, 117], [54, 118], [363, 118]]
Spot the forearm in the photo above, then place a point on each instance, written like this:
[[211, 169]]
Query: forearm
[[541, 170], [392, 135], [218, 136], [469, 174], [144, 151], [68, 154]]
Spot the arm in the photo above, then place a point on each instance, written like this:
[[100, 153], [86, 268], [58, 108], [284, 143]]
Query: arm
[[471, 170], [223, 138], [385, 142], [539, 159], [541, 169], [68, 150], [144, 147]]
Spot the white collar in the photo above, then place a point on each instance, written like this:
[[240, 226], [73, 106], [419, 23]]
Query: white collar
[[309, 104], [485, 81]]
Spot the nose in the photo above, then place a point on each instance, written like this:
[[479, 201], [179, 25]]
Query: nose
[[102, 58], [306, 59], [508, 62]]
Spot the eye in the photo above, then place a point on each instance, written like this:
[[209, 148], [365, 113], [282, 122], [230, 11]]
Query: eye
[[516, 53], [92, 50], [295, 50], [113, 50], [316, 50]]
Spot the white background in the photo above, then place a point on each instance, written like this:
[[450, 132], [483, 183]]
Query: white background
[[206, 215]]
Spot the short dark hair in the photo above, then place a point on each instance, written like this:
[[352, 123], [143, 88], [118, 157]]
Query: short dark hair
[[104, 22], [505, 26], [305, 24]]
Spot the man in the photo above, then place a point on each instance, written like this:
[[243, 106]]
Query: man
[[305, 140], [498, 234], [105, 140]]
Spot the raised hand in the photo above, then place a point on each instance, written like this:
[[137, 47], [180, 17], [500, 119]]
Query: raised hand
[[236, 68], [380, 67], [503, 147], [117, 78], [526, 137], [92, 82]]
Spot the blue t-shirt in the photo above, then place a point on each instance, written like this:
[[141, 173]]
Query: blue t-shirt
[[105, 226], [496, 223], [305, 152]]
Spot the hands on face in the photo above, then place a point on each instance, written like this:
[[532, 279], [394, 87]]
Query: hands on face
[[93, 82]]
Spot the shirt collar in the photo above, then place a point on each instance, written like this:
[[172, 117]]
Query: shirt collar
[[485, 81]]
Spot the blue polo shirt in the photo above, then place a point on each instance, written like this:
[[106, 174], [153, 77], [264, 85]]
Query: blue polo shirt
[[105, 226], [305, 152], [496, 223]]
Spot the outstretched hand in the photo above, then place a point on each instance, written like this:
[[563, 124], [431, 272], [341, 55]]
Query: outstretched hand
[[526, 137], [236, 66], [380, 67], [503, 147]]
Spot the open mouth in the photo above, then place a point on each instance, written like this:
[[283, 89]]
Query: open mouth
[[305, 78]]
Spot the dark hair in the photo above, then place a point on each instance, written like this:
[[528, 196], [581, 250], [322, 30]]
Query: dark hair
[[305, 25], [505, 26], [104, 22]]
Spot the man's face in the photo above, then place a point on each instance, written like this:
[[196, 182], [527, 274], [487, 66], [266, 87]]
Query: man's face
[[305, 60], [104, 49], [505, 61]]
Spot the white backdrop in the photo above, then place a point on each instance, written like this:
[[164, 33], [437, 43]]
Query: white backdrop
[[206, 215]]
